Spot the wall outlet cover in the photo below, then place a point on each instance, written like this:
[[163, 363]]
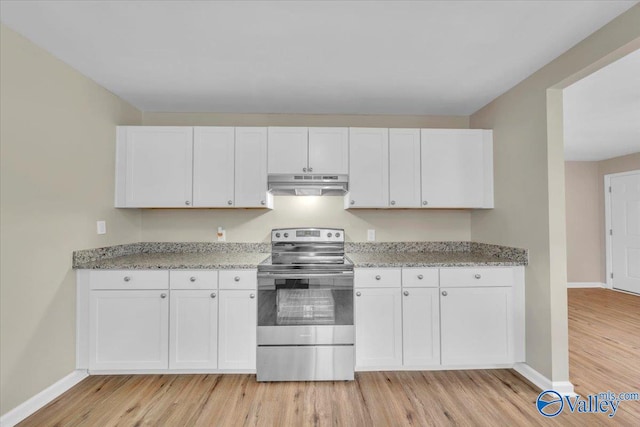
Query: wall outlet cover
[[371, 235], [101, 227]]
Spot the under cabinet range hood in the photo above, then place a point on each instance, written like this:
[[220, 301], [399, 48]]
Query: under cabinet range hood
[[308, 185]]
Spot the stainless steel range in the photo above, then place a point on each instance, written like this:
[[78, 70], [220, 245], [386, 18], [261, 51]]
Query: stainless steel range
[[305, 307]]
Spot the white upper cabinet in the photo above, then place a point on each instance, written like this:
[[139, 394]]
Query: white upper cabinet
[[154, 166], [213, 166], [457, 168], [329, 150], [404, 168], [368, 168], [288, 150], [251, 168]]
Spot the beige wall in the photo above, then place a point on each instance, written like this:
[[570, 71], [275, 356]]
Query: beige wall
[[584, 181], [529, 184], [57, 142], [250, 225]]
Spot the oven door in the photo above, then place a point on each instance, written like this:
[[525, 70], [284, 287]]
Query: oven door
[[305, 308]]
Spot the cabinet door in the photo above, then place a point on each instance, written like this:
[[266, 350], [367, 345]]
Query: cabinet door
[[329, 150], [452, 168], [368, 168], [287, 150], [378, 328], [237, 330], [420, 327], [129, 330], [404, 168], [193, 330], [476, 326], [157, 166], [251, 167], [213, 165]]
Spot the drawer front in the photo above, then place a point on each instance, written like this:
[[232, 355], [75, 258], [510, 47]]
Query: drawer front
[[477, 276], [193, 279], [377, 277], [238, 279], [420, 277], [129, 279]]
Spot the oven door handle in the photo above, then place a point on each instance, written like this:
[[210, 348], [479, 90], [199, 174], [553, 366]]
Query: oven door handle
[[271, 275]]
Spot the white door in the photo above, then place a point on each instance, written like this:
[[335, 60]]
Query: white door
[[476, 326], [404, 168], [213, 166], [158, 171], [625, 236], [237, 330], [329, 150], [421, 327], [452, 168], [378, 328], [287, 150], [193, 331], [251, 167], [129, 330], [368, 168]]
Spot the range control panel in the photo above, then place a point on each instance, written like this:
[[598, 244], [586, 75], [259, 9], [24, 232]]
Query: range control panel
[[307, 235]]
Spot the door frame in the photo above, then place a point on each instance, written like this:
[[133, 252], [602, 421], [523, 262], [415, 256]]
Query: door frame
[[607, 223]]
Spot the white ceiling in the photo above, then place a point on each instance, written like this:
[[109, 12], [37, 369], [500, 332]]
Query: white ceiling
[[396, 57], [602, 112]]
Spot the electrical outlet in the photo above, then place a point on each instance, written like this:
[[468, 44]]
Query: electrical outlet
[[371, 235], [222, 234], [101, 227]]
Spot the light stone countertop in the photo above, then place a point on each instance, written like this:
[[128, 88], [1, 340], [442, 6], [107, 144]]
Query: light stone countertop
[[179, 261], [429, 259]]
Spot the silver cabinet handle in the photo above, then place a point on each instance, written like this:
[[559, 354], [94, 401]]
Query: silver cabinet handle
[[358, 294], [420, 277], [163, 295], [406, 293], [237, 278], [378, 277], [393, 202], [353, 202], [230, 202], [252, 295], [424, 203], [477, 276], [213, 294], [304, 169], [192, 278], [127, 278], [187, 203], [444, 293], [262, 202]]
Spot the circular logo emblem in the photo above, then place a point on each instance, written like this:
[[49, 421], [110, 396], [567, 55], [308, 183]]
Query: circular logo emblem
[[549, 403]]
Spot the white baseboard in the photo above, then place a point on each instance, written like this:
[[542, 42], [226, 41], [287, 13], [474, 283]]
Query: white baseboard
[[565, 388], [586, 285], [41, 399]]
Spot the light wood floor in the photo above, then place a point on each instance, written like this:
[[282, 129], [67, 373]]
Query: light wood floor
[[604, 355]]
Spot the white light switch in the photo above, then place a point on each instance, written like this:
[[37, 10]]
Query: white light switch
[[101, 227], [371, 235]]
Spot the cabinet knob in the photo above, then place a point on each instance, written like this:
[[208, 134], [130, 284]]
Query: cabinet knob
[[310, 169], [187, 203], [358, 293], [230, 202], [192, 278], [237, 278], [378, 277], [304, 169], [127, 278], [424, 203], [477, 276], [213, 294], [393, 202], [420, 277], [262, 202], [353, 202], [444, 293], [163, 296], [406, 293], [252, 295]]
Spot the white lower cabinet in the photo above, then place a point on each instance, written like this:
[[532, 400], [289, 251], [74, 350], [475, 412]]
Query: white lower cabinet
[[128, 329], [476, 325], [237, 334], [420, 327], [193, 329], [378, 320]]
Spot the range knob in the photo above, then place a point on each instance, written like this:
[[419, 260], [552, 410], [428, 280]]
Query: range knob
[[277, 234], [286, 234], [337, 234], [328, 234]]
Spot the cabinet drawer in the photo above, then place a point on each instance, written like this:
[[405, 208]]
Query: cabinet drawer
[[476, 276], [420, 277], [193, 279], [129, 279], [377, 277], [238, 279]]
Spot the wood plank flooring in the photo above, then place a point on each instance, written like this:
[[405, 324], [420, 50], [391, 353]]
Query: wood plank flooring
[[604, 344]]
